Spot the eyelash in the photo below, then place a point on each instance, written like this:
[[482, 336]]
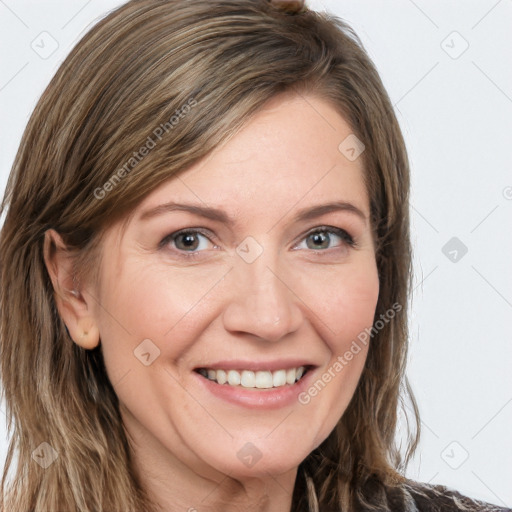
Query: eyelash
[[341, 233]]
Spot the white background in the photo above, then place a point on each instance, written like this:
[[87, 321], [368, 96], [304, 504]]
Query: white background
[[455, 108]]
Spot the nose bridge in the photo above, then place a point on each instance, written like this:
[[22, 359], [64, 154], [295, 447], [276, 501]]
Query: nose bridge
[[261, 303]]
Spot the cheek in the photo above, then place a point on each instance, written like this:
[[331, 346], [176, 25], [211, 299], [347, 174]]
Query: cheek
[[345, 306], [167, 306], [345, 302]]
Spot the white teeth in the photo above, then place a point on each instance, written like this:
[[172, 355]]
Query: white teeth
[[290, 376], [222, 378], [263, 380], [279, 378], [233, 378], [248, 379], [254, 380]]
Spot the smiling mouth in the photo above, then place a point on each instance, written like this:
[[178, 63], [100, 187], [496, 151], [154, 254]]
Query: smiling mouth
[[255, 379]]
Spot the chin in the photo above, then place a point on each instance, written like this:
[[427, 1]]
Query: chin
[[261, 459]]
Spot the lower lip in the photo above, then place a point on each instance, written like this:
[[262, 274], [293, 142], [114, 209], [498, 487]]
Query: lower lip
[[272, 398]]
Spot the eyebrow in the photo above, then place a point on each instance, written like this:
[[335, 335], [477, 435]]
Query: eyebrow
[[219, 215]]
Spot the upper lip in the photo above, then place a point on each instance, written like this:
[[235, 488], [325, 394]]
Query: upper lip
[[280, 364]]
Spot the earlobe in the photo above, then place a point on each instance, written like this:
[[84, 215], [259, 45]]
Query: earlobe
[[90, 336], [73, 306]]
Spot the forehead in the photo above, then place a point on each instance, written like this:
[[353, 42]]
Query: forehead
[[286, 155]]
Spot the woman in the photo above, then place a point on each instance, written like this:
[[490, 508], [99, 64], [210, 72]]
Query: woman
[[205, 271]]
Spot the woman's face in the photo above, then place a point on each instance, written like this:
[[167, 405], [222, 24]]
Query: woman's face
[[249, 294]]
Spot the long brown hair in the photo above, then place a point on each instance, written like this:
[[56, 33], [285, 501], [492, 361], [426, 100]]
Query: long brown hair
[[128, 79]]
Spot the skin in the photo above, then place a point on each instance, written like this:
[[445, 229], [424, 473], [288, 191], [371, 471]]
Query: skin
[[294, 300]]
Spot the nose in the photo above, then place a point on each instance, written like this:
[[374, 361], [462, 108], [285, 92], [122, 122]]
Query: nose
[[261, 301]]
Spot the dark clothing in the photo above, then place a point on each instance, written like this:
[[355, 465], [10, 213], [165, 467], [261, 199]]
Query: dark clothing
[[421, 497]]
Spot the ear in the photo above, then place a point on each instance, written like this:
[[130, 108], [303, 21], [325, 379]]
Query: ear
[[74, 307]]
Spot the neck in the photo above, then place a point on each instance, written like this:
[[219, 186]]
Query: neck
[[177, 486], [273, 494]]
